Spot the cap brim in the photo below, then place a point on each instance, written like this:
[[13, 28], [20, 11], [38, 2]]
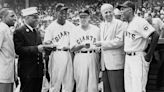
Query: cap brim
[[64, 8], [83, 14], [121, 6]]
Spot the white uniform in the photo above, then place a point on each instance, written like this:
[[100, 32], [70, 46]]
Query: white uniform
[[85, 62], [60, 64], [136, 41]]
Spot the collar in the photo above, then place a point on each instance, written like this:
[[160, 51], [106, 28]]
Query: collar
[[29, 27], [110, 21]]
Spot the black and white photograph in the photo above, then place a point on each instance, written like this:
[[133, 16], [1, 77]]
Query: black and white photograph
[[81, 45]]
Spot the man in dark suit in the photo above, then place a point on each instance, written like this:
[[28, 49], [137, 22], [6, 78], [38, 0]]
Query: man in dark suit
[[28, 46]]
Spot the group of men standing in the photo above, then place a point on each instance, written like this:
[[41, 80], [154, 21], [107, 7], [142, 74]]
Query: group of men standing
[[118, 46]]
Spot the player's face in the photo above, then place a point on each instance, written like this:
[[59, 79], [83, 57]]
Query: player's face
[[125, 13], [10, 19], [108, 15], [63, 15], [84, 19]]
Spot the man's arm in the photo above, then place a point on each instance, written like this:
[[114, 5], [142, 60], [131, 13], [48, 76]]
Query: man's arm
[[117, 41], [79, 47], [24, 50], [153, 43]]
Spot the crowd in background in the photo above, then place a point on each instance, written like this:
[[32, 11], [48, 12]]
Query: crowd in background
[[47, 11]]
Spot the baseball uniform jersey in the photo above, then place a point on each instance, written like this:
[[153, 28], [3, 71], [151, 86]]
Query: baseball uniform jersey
[[86, 60]]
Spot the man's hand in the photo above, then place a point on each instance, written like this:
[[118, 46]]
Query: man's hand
[[86, 45], [40, 48], [98, 43], [147, 58]]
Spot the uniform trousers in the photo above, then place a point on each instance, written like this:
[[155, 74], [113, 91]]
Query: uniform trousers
[[86, 72], [6, 87], [61, 72], [136, 72], [113, 80]]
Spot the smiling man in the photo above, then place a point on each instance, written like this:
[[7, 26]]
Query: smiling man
[[112, 54], [29, 47], [86, 56], [58, 33], [136, 37], [7, 51]]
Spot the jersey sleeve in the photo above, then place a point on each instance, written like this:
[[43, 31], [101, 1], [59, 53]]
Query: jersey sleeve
[[73, 35], [145, 29], [48, 35]]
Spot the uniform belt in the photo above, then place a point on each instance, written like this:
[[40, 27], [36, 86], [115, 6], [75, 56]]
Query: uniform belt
[[131, 54], [62, 50], [92, 51]]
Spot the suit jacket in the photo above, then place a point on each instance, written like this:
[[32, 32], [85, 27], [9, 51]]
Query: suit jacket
[[30, 61], [7, 54], [112, 56]]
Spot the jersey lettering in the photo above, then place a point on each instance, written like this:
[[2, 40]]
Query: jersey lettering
[[86, 38], [60, 35], [130, 35]]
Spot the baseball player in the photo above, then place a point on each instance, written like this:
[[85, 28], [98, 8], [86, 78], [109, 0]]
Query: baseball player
[[112, 53], [135, 42], [86, 58], [61, 70]]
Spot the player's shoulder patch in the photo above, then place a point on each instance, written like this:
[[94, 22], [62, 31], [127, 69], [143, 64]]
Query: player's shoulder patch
[[146, 27]]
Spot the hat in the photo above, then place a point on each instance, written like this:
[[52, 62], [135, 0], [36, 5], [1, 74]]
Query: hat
[[117, 11], [59, 6], [84, 12], [29, 11], [63, 8], [127, 4], [105, 7]]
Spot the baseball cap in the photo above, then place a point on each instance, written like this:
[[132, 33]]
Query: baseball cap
[[64, 8], [29, 11], [59, 6], [127, 4], [84, 12]]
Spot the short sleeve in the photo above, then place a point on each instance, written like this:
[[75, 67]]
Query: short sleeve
[[48, 35], [145, 29], [73, 35]]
